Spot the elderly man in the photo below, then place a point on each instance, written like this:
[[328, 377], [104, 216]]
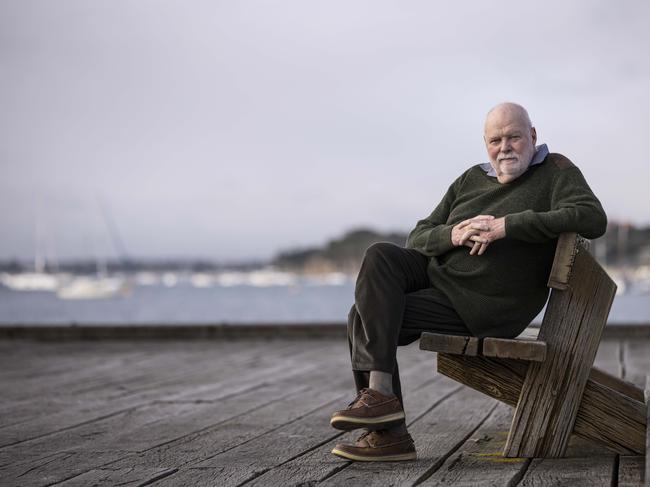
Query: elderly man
[[477, 265]]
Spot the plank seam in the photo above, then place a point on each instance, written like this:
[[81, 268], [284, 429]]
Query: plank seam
[[100, 418], [516, 480], [440, 462]]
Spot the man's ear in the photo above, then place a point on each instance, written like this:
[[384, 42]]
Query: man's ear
[[533, 134]]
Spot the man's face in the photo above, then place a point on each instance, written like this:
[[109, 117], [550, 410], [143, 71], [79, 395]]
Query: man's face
[[510, 144]]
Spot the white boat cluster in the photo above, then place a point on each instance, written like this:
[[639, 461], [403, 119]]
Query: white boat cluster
[[69, 286]]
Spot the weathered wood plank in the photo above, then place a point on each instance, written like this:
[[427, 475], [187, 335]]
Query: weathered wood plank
[[234, 464], [604, 415], [563, 260], [193, 386], [479, 460], [130, 476], [197, 432], [630, 471], [524, 347], [438, 342], [528, 350], [551, 394], [620, 385], [124, 368], [576, 472], [123, 436]]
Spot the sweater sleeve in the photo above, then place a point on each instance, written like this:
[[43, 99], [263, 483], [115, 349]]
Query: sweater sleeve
[[574, 208], [432, 235]]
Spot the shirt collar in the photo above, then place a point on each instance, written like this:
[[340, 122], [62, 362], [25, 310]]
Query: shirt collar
[[541, 151]]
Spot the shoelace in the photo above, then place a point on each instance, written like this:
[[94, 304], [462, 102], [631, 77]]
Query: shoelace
[[367, 433], [359, 394]]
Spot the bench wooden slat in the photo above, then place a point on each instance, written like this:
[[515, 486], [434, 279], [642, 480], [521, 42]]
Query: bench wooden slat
[[458, 345], [613, 382], [563, 261], [522, 349]]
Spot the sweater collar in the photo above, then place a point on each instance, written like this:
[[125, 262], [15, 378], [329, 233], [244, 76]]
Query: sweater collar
[[541, 151]]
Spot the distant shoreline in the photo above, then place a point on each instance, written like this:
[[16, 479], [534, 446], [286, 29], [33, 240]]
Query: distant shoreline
[[176, 331]]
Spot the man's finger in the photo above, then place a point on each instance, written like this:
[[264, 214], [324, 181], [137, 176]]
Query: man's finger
[[480, 225], [479, 238], [483, 217], [465, 237], [475, 248], [482, 249], [463, 224]]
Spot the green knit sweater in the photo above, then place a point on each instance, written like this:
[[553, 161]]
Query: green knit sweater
[[500, 292]]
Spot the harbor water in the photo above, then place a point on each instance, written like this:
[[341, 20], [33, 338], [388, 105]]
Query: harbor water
[[184, 303]]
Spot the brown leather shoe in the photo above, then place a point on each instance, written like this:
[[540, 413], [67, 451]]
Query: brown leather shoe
[[371, 410], [378, 446]]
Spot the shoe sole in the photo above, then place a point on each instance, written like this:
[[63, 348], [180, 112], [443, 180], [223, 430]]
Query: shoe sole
[[399, 457], [346, 423]]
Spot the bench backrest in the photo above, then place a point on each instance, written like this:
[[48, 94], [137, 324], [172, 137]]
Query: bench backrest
[[576, 313], [581, 294]]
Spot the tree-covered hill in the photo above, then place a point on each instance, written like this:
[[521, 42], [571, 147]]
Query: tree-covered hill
[[343, 254]]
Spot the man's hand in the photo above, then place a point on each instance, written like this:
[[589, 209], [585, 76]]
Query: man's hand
[[496, 230], [461, 233], [478, 232]]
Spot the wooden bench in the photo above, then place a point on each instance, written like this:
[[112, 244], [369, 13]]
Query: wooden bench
[[546, 374]]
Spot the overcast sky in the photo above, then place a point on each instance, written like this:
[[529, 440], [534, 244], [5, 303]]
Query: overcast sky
[[231, 130]]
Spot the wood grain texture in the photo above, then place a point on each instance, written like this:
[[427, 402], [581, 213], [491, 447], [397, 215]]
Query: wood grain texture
[[460, 345], [552, 391], [479, 461], [630, 471], [624, 387], [563, 260], [576, 472], [604, 416], [210, 380], [528, 350]]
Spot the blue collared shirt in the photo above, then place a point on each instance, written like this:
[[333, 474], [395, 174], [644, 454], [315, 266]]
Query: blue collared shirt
[[541, 151]]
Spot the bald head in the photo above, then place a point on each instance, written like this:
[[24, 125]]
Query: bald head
[[510, 140], [509, 110]]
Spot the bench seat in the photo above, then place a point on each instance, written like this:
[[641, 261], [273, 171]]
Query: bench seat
[[524, 347]]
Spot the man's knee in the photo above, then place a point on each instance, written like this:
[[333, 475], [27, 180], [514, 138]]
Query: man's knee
[[381, 250]]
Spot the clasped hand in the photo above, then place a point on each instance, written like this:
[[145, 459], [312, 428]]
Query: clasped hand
[[478, 232]]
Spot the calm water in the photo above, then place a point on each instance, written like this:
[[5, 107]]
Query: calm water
[[237, 304]]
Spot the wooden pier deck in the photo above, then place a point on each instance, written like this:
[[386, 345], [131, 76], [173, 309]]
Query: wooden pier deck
[[232, 412]]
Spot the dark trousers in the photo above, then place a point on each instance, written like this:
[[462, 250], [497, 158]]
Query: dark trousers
[[394, 303]]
